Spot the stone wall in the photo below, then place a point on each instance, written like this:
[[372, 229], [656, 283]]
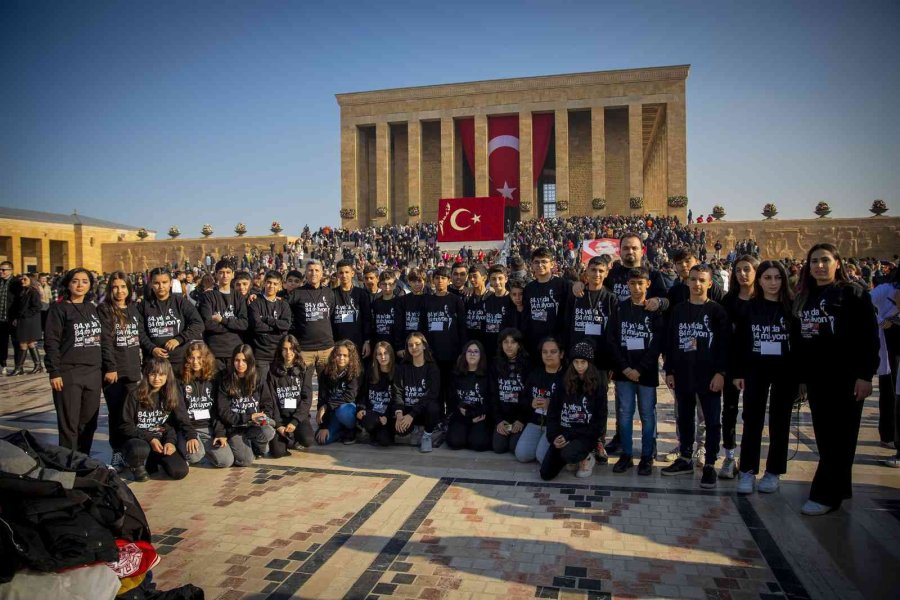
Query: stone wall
[[132, 257], [867, 236]]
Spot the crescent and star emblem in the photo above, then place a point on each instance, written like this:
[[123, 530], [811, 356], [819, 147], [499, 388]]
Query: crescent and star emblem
[[457, 212]]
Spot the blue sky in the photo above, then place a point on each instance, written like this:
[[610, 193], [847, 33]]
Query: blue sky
[[161, 113]]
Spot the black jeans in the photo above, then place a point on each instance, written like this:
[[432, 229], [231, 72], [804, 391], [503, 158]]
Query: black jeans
[[575, 451], [463, 433], [505, 443], [836, 416], [888, 399], [383, 435], [428, 417], [447, 398], [730, 402], [6, 331], [303, 434], [781, 403], [115, 395], [77, 408], [137, 452], [711, 405]]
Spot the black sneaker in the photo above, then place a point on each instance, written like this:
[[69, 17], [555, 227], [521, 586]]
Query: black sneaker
[[349, 438], [709, 478], [600, 454], [681, 466], [645, 467], [614, 445], [140, 474], [624, 463]]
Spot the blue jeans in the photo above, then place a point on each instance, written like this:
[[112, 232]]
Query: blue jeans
[[343, 417], [626, 392]]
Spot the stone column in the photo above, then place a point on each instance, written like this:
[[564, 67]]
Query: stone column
[[526, 163], [349, 175], [382, 171], [448, 157], [482, 176], [598, 152], [676, 154], [562, 156], [635, 151], [414, 143], [44, 264], [15, 254]]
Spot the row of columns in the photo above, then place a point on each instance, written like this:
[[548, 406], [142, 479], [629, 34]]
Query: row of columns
[[675, 155], [16, 256]]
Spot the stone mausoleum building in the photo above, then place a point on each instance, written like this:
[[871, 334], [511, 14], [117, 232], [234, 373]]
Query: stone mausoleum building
[[617, 136]]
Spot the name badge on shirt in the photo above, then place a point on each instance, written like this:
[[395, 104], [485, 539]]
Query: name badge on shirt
[[436, 326], [634, 343], [348, 318], [539, 315], [593, 329], [201, 414], [290, 403], [770, 348]]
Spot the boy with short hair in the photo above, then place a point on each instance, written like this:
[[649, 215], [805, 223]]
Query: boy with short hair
[[224, 313], [270, 320]]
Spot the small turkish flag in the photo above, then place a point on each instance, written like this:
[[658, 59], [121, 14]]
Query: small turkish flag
[[470, 219]]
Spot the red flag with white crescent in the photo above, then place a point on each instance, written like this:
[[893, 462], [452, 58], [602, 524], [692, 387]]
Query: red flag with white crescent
[[503, 158], [470, 219]]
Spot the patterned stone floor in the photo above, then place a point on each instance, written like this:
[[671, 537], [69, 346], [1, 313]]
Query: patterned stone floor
[[363, 522]]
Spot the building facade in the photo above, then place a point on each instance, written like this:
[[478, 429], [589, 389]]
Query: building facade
[[42, 242], [617, 146]]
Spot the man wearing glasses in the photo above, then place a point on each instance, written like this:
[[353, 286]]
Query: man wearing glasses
[[6, 329]]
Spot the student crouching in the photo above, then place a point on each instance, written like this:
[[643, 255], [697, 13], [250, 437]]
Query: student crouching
[[339, 386], [375, 416], [198, 388], [470, 422], [289, 391]]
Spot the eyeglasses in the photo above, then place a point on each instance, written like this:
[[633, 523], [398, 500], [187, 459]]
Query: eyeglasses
[[5, 269]]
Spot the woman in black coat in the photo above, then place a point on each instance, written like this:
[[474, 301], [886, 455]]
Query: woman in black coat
[[25, 314]]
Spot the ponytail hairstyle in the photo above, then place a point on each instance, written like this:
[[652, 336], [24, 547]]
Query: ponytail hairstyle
[[117, 312], [236, 386], [169, 395]]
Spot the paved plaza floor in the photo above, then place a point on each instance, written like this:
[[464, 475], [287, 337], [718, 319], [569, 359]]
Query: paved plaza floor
[[367, 523]]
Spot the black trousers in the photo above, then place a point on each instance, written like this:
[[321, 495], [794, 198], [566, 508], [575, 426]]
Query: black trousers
[[730, 402], [429, 416], [888, 399], [836, 416], [446, 396], [137, 452], [711, 405], [575, 451], [115, 395], [505, 443], [6, 332], [303, 434], [463, 433], [383, 435], [77, 408], [780, 394]]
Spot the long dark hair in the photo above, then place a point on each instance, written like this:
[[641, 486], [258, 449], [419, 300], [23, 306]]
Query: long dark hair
[[516, 335], [427, 355], [298, 366], [807, 282], [462, 365], [236, 386], [354, 367], [110, 304], [784, 292], [734, 288], [375, 368], [67, 279], [589, 384], [169, 393]]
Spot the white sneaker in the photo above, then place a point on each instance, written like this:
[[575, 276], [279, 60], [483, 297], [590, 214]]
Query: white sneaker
[[426, 443], [769, 483], [673, 454], [892, 462], [572, 467], [746, 483], [586, 467], [729, 469], [700, 456], [814, 509]]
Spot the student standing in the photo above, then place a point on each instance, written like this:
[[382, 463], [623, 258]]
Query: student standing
[[290, 394], [270, 321], [838, 356], [385, 315], [25, 317], [540, 385], [73, 359], [636, 335], [509, 369], [120, 351], [696, 358], [312, 305], [152, 417], [224, 314], [762, 360], [577, 410], [375, 415], [168, 322], [474, 302], [417, 383], [198, 389], [338, 389], [444, 320], [412, 307], [352, 311], [239, 406], [499, 311], [545, 302], [740, 291], [470, 425]]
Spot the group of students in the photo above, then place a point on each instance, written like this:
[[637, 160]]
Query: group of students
[[474, 366]]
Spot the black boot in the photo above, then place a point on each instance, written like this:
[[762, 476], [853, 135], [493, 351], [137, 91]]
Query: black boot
[[36, 357], [20, 364]]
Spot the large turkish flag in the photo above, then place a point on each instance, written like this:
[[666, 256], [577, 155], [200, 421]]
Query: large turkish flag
[[470, 219]]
